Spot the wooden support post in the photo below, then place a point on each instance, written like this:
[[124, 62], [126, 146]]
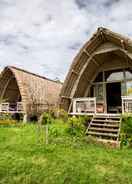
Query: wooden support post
[[104, 93], [95, 110], [71, 104], [40, 119], [74, 105], [46, 134], [122, 105], [25, 118]]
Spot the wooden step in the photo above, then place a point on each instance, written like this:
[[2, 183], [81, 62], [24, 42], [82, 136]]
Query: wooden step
[[105, 125], [102, 134], [105, 118], [106, 121], [103, 129]]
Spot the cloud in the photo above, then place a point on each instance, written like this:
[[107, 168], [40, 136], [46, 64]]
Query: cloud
[[43, 36]]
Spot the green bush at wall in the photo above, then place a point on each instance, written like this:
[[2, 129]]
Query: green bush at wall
[[46, 118], [126, 130], [6, 120], [76, 126]]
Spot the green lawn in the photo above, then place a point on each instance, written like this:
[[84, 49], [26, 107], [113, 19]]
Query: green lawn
[[25, 159]]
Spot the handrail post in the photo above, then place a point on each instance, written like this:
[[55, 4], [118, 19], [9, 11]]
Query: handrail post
[[74, 106], [95, 104], [126, 101]]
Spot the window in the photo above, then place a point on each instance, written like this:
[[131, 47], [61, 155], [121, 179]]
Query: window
[[123, 89], [99, 92], [128, 74], [129, 88], [114, 76]]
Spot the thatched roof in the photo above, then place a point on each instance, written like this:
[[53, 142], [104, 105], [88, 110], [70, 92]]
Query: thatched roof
[[101, 50], [16, 83]]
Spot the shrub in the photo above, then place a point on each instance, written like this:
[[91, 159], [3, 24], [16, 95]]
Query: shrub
[[59, 113], [46, 118], [76, 126], [126, 130], [85, 120], [5, 116], [8, 122], [57, 129], [63, 115]]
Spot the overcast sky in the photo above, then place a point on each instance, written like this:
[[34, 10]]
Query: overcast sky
[[43, 36]]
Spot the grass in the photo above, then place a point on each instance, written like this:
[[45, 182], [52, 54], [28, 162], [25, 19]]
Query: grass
[[25, 159]]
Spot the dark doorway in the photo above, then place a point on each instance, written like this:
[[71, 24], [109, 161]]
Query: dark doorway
[[113, 91]]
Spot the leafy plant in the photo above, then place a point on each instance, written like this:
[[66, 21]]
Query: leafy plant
[[126, 131], [5, 116], [46, 118], [59, 113], [85, 120], [76, 126], [63, 115], [8, 122], [57, 129]]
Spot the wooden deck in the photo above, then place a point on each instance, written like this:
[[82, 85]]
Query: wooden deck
[[98, 114], [88, 106], [11, 108]]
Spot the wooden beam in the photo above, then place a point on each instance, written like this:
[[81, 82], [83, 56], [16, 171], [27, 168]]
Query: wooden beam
[[86, 52], [93, 59], [5, 87], [89, 81], [13, 89], [102, 35], [124, 48], [66, 97], [106, 50], [123, 44], [75, 72], [70, 107], [95, 62]]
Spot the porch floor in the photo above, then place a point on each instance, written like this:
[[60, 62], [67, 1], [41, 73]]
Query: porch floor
[[98, 114]]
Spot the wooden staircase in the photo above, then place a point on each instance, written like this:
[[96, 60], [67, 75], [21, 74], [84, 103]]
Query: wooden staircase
[[105, 128]]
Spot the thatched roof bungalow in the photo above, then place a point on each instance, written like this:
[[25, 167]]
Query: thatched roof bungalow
[[102, 70], [35, 92]]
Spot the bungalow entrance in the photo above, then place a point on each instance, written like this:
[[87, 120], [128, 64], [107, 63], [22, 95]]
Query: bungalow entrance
[[110, 93], [113, 95], [100, 77]]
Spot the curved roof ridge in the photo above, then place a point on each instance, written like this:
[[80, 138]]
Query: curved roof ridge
[[108, 31], [31, 73]]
